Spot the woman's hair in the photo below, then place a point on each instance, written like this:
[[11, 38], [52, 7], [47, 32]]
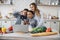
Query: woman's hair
[[31, 12], [36, 9], [34, 5]]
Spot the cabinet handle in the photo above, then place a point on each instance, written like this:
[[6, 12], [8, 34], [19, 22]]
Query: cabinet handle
[[55, 22], [45, 22], [5, 21]]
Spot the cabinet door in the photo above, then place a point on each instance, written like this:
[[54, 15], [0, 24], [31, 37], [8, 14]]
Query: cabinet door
[[55, 26], [13, 22], [0, 23], [6, 24], [47, 24]]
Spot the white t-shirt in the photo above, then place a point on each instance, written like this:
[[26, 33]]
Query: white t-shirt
[[39, 19]]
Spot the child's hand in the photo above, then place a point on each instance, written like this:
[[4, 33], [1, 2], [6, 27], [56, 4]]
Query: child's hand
[[26, 22]]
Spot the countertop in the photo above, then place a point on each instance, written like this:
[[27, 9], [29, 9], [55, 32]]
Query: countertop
[[27, 36]]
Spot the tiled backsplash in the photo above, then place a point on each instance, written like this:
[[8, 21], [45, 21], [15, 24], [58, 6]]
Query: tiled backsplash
[[7, 23]]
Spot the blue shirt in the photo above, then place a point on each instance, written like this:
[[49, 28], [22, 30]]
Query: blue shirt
[[32, 22], [19, 17]]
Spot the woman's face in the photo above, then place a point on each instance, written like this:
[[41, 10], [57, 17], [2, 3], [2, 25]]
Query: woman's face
[[32, 7], [29, 15]]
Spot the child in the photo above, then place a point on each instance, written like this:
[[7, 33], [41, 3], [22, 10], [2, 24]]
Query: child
[[24, 14], [20, 16], [30, 17]]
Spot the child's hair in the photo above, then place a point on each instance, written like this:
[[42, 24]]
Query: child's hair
[[26, 9], [31, 12]]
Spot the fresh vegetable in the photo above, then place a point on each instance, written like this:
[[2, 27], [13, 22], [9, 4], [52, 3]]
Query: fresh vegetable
[[48, 30], [10, 28], [39, 29], [43, 28], [3, 29], [0, 30]]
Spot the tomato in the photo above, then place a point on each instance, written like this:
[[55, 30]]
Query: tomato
[[48, 30]]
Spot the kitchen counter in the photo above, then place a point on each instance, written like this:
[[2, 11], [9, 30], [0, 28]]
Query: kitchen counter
[[27, 36]]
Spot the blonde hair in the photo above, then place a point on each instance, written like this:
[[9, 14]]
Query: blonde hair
[[36, 9]]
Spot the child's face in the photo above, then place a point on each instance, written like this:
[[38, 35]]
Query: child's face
[[29, 15], [24, 12]]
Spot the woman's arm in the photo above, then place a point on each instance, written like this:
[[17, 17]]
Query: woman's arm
[[40, 19]]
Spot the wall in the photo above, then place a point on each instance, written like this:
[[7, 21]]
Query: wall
[[18, 6], [21, 4], [53, 11]]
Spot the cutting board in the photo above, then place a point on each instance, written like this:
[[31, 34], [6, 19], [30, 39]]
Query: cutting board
[[44, 34]]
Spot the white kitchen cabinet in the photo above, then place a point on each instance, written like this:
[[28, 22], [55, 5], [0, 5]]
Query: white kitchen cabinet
[[55, 26], [47, 24], [13, 22], [0, 23], [6, 24]]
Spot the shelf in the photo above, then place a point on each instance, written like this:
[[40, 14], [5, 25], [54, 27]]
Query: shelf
[[7, 19], [50, 5], [52, 20]]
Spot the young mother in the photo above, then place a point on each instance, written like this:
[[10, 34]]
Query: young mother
[[38, 14]]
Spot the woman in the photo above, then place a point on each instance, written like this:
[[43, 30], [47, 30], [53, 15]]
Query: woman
[[38, 14]]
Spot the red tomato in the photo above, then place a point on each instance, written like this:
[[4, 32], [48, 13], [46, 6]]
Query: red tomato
[[48, 30]]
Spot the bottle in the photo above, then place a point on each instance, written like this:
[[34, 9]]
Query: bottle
[[30, 28], [49, 16]]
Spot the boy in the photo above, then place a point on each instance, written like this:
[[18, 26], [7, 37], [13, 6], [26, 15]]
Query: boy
[[24, 14], [20, 16], [30, 17]]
